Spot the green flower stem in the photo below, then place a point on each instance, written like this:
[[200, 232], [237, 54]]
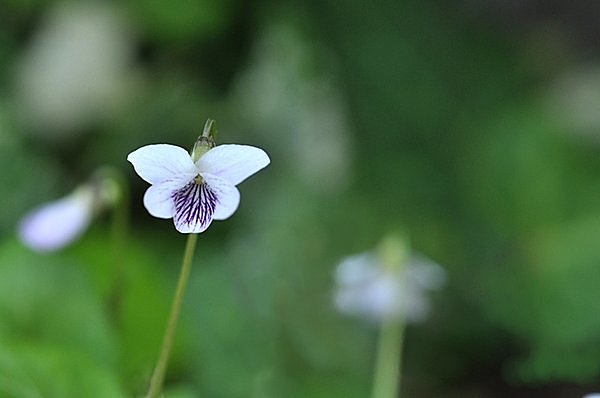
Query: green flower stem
[[158, 375], [389, 360]]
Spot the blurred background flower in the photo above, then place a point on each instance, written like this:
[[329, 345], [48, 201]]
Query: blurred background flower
[[366, 287], [76, 67], [53, 225], [468, 124]]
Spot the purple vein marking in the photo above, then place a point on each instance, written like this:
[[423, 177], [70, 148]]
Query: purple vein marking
[[194, 204]]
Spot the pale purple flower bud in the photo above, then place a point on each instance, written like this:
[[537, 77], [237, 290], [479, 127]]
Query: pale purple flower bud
[[54, 225]]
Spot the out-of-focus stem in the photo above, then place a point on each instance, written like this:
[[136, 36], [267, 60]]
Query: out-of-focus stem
[[388, 364]]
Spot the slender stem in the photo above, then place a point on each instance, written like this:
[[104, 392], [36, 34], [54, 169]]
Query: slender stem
[[158, 375], [389, 360]]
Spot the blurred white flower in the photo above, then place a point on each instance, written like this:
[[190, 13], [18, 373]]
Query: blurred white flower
[[54, 225], [367, 288], [593, 395], [195, 189], [75, 68]]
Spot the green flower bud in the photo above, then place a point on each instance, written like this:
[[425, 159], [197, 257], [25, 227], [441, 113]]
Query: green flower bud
[[206, 141]]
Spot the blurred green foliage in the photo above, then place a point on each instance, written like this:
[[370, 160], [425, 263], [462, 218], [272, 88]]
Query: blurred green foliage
[[423, 116]]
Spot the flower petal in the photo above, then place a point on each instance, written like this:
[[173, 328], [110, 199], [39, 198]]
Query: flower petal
[[374, 300], [194, 208], [56, 224], [161, 163], [232, 162], [423, 273], [356, 270], [228, 196], [158, 200]]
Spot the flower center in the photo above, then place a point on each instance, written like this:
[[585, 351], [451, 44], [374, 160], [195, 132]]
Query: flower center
[[199, 180]]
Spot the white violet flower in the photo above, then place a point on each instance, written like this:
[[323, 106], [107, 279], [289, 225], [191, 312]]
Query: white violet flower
[[196, 188], [593, 395], [367, 288]]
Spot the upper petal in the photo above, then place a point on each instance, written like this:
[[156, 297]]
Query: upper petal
[[232, 162], [161, 163], [356, 270], [228, 196]]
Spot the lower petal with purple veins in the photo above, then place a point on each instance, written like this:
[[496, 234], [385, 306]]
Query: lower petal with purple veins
[[194, 207]]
